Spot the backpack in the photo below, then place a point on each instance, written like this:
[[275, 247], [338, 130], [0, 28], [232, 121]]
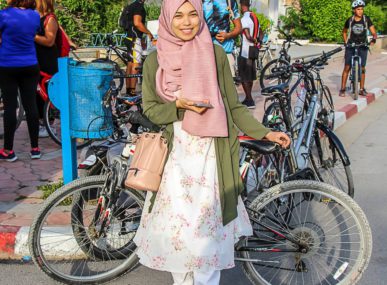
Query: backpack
[[124, 21], [258, 33], [62, 39]]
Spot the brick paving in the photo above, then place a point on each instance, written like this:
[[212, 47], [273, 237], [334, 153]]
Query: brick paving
[[20, 199]]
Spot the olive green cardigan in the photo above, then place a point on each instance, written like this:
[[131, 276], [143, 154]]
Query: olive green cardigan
[[227, 149]]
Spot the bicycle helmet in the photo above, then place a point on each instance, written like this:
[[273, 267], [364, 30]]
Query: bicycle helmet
[[357, 3]]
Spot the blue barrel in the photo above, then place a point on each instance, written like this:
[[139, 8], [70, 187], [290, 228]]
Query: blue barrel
[[88, 83]]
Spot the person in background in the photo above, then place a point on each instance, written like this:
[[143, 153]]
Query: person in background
[[46, 49], [357, 27], [135, 31], [19, 71], [247, 66], [218, 15], [191, 224]]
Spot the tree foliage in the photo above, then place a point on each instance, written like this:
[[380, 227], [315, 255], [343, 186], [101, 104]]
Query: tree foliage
[[324, 20]]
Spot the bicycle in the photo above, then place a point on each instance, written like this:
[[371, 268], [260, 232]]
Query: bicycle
[[296, 224], [315, 143], [356, 68], [274, 65]]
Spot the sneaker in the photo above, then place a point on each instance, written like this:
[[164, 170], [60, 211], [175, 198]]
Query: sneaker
[[363, 92], [43, 132], [10, 157], [249, 104], [35, 153], [342, 93]]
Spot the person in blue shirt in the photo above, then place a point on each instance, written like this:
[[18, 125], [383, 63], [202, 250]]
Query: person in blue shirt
[[218, 15], [19, 71]]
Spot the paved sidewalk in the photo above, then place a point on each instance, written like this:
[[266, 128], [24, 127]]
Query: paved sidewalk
[[20, 200]]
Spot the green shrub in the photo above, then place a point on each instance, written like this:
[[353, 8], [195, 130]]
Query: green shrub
[[294, 23], [378, 17]]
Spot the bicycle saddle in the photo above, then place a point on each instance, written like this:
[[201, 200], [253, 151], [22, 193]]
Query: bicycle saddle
[[279, 88], [260, 146]]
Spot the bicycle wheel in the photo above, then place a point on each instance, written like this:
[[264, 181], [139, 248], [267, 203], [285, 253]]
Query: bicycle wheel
[[326, 240], [355, 81], [273, 118], [326, 113], [51, 119], [328, 162], [67, 250], [267, 78]]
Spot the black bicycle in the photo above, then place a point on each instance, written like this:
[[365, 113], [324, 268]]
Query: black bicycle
[[272, 67], [356, 66]]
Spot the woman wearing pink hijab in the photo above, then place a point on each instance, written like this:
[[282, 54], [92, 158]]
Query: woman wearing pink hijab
[[190, 227]]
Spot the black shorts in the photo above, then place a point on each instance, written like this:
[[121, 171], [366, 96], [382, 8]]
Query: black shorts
[[247, 69], [349, 52]]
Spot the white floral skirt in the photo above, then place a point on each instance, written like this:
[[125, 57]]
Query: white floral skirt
[[184, 231]]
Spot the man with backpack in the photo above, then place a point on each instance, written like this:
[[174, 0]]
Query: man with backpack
[[132, 20], [356, 27], [249, 52]]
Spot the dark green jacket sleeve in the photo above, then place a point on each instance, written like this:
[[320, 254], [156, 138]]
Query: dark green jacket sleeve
[[241, 116], [159, 112]]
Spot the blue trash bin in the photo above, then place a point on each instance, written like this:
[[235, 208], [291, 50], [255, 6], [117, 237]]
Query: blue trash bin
[[88, 83]]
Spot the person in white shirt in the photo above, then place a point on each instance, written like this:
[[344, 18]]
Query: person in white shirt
[[246, 61]]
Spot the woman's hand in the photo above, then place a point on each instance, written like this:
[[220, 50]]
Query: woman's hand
[[279, 137], [183, 103]]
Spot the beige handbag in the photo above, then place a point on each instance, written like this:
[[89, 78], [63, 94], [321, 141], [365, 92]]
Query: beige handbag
[[147, 165]]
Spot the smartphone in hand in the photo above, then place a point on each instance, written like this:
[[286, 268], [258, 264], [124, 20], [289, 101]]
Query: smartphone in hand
[[202, 104]]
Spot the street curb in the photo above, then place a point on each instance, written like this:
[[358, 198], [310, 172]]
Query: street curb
[[14, 239], [356, 106]]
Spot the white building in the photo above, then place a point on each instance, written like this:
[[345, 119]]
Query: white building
[[273, 9]]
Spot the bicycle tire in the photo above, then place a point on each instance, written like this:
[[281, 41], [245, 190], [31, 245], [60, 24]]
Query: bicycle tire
[[328, 163], [356, 81], [83, 238], [37, 248], [324, 198], [51, 119], [327, 112], [266, 71], [272, 118]]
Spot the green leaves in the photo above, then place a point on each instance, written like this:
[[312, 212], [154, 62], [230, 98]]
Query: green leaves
[[324, 20]]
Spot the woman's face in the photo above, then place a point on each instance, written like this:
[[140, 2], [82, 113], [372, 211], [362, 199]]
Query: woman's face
[[186, 22]]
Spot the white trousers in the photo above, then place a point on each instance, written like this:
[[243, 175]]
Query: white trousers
[[197, 278]]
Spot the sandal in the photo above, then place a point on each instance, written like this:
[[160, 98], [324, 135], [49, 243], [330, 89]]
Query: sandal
[[342, 93]]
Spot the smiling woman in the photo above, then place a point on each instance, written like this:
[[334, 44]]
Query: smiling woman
[[186, 22], [197, 214]]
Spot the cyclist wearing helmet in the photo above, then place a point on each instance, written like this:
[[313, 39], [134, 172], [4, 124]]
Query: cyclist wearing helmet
[[355, 31]]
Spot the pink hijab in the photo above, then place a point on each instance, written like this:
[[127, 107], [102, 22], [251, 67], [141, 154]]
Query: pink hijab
[[189, 68]]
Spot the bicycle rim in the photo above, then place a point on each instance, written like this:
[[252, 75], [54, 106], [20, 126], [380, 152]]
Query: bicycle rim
[[327, 108], [74, 259], [266, 79], [329, 165], [327, 223]]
